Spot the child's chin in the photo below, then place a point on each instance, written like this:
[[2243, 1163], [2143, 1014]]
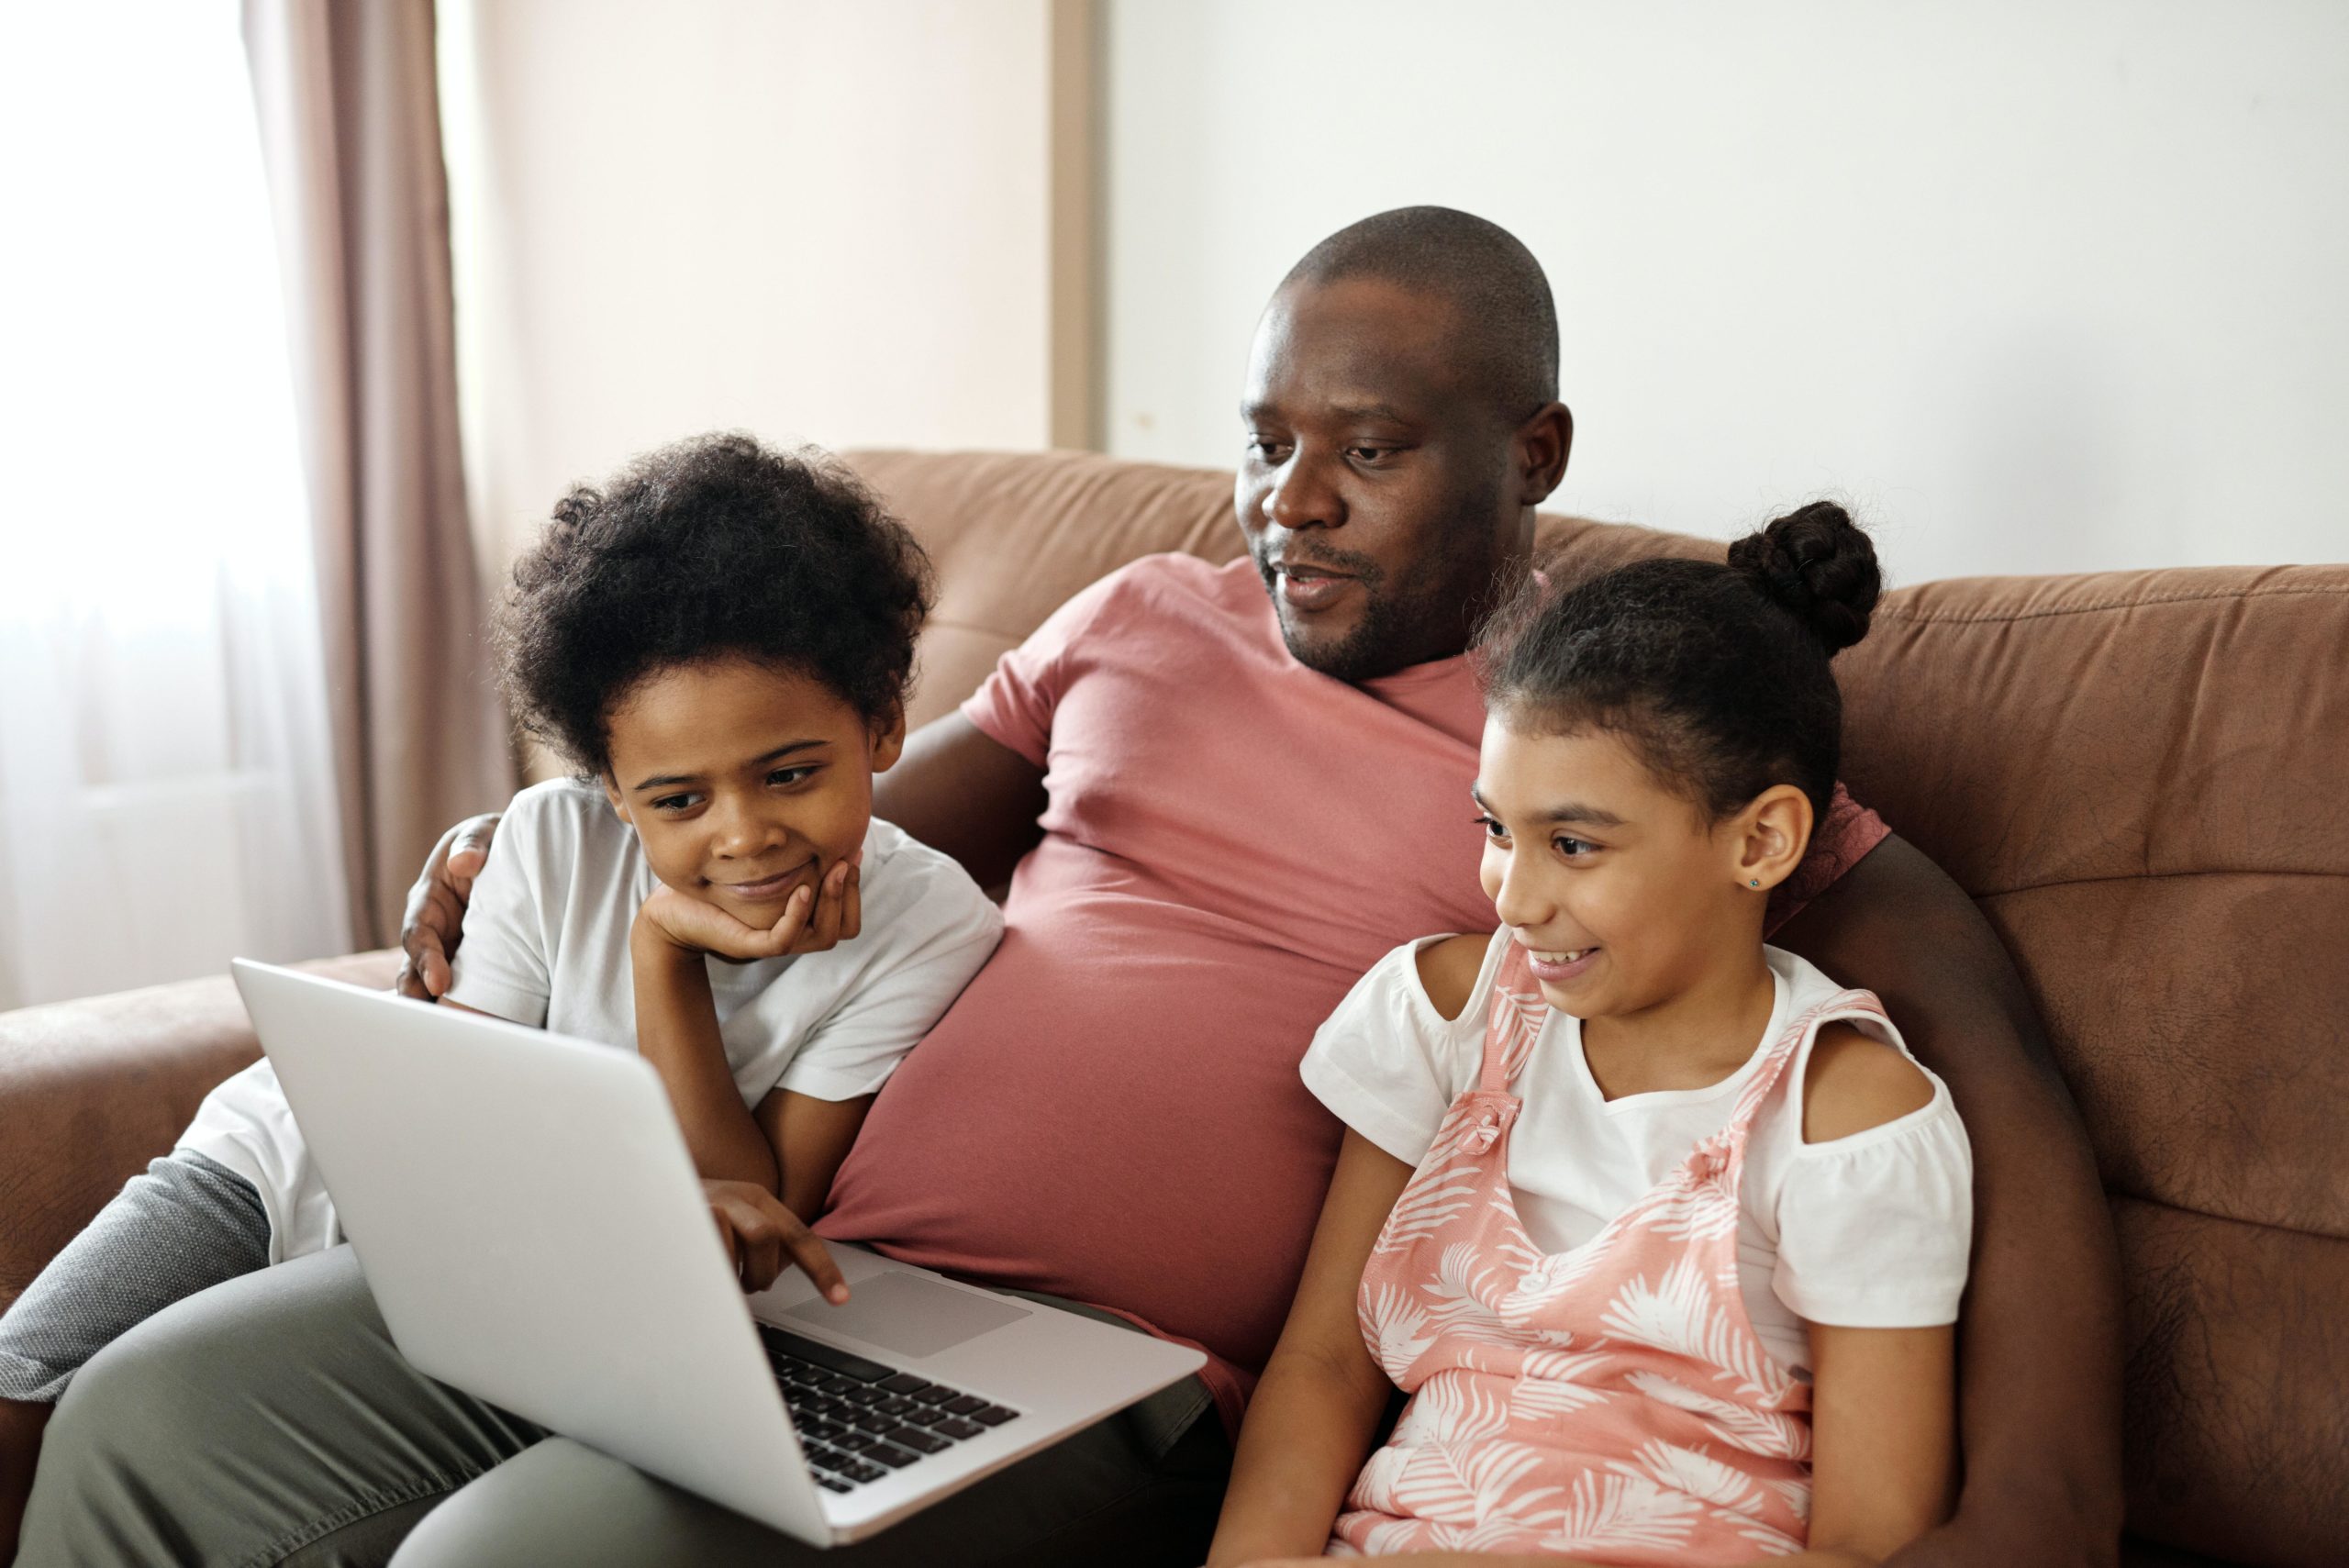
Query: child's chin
[[1580, 1001]]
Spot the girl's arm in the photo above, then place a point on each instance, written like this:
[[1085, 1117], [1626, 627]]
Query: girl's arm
[[764, 1173], [676, 1030], [2040, 1402], [810, 1138], [1316, 1409], [676, 1022]]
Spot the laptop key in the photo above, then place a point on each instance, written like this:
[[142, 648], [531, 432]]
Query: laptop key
[[903, 1383], [898, 1405], [965, 1405], [937, 1394], [956, 1428], [832, 1483], [890, 1454], [994, 1415], [853, 1441], [823, 1355], [916, 1439], [859, 1471], [868, 1422], [864, 1394]]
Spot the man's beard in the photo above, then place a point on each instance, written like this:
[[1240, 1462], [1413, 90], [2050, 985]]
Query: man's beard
[[1455, 590]]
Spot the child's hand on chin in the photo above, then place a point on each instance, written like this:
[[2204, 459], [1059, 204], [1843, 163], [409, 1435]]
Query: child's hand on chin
[[814, 919]]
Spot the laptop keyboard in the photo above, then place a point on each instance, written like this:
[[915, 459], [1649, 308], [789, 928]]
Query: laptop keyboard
[[860, 1420]]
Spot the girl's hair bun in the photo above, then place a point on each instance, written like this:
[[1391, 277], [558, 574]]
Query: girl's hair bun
[[1817, 563]]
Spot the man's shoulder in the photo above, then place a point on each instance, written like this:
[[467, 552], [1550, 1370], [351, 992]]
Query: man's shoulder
[[1154, 592]]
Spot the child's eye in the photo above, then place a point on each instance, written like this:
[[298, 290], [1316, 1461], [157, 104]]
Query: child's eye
[[1493, 829], [786, 776], [1574, 848], [675, 803]]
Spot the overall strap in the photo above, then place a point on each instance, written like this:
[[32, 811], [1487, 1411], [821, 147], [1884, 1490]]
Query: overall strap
[[1787, 1046], [1513, 1021]]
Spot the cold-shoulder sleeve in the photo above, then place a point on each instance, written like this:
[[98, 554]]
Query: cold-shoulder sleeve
[[1873, 1230], [1387, 1063]]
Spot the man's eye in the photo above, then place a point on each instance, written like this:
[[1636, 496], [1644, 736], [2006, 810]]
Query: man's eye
[[1266, 447], [1370, 454]]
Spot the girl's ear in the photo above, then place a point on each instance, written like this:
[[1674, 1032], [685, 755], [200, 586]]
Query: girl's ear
[[889, 744], [612, 794], [1770, 837]]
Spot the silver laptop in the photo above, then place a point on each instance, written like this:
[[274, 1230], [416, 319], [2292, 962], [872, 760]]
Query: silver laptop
[[530, 1224]]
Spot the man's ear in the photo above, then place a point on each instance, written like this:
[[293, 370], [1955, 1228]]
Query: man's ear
[[612, 794], [1768, 839], [1544, 444], [889, 744]]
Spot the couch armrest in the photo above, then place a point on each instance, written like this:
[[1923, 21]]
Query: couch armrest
[[92, 1090]]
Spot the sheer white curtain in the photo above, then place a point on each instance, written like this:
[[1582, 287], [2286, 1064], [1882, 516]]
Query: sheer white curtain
[[165, 799]]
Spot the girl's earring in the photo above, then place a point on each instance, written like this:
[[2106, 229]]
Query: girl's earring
[[1755, 882]]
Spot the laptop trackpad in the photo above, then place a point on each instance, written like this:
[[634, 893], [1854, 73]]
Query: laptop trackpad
[[910, 1315]]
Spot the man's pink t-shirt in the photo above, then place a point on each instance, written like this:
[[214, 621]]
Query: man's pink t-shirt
[[1111, 1112]]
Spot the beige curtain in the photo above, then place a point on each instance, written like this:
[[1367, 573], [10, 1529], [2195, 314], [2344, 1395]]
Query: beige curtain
[[351, 132]]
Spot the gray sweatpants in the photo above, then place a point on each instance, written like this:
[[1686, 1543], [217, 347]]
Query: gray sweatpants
[[270, 1420], [187, 1225]]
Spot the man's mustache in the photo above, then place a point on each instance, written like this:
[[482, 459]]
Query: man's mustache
[[1270, 557]]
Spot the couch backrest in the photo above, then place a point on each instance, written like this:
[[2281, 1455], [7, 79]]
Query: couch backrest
[[2143, 779]]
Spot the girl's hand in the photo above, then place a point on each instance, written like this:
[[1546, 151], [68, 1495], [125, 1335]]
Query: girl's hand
[[814, 919], [765, 1237]]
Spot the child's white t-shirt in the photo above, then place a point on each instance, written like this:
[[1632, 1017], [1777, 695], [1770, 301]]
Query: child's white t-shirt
[[1871, 1230], [546, 944]]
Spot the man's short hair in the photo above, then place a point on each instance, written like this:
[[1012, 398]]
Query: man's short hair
[[1497, 290]]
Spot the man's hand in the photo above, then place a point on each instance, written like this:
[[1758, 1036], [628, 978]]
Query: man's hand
[[764, 1237], [435, 919], [814, 919]]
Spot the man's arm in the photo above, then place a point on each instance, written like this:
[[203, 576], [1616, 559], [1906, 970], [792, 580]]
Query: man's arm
[[2040, 1341], [963, 792]]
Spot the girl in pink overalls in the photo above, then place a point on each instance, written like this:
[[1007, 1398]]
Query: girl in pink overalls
[[1660, 1229]]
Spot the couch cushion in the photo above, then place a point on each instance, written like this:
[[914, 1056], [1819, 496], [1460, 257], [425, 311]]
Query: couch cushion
[[2140, 778]]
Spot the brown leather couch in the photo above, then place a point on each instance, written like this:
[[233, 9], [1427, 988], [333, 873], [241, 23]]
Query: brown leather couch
[[2143, 778]]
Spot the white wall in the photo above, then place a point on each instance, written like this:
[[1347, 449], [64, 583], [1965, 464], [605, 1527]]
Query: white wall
[[815, 218], [2043, 287]]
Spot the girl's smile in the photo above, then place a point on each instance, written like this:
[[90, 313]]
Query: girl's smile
[[1560, 969], [769, 889]]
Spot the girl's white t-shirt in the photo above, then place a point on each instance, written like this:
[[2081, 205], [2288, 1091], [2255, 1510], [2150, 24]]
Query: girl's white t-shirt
[[546, 944], [1870, 1231]]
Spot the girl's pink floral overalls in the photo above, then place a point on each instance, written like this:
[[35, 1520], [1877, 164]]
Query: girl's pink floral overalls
[[1612, 1402]]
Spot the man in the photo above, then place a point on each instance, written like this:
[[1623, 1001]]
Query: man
[[1215, 815]]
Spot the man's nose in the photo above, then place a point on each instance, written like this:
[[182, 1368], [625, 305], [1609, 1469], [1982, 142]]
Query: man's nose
[[1302, 496]]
